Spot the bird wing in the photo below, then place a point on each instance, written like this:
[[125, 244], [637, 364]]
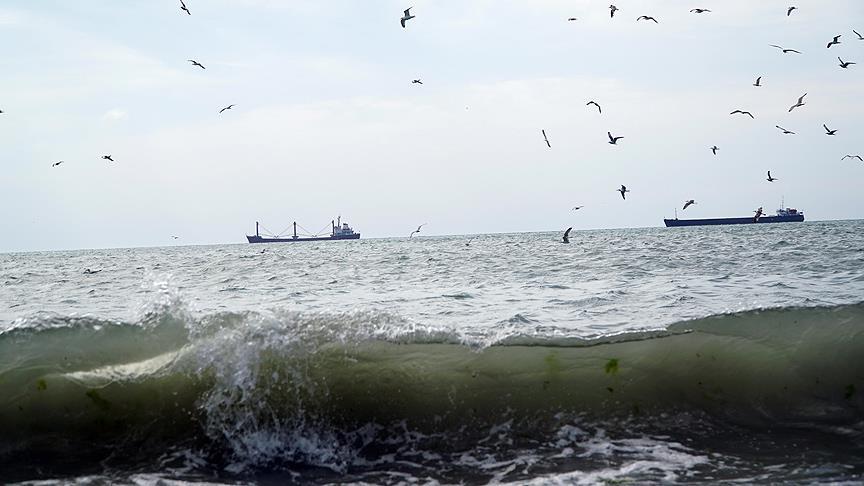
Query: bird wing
[[407, 11], [792, 50], [859, 158], [856, 33], [402, 21], [778, 47]]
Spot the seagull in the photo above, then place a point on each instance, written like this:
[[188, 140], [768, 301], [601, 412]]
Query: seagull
[[613, 140], [853, 157], [646, 17], [406, 17], [416, 81], [571, 19], [87, 271], [174, 237], [789, 12], [714, 149], [835, 41], [689, 203], [196, 63], [183, 8], [567, 235], [785, 132], [612, 10], [860, 37], [699, 10], [592, 102], [785, 51], [55, 164], [828, 131], [771, 179], [758, 82], [743, 113], [226, 108], [577, 208], [845, 64], [800, 103], [758, 215], [546, 139], [416, 231], [623, 191], [108, 157]]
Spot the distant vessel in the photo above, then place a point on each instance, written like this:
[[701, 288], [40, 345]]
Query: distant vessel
[[339, 231], [787, 215]]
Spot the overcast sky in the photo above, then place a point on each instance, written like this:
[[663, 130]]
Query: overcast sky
[[327, 121]]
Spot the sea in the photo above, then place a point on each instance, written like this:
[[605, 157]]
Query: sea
[[634, 356]]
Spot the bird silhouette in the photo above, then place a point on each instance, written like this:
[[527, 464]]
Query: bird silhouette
[[828, 131], [406, 17], [789, 11], [646, 17], [758, 82], [853, 157], [226, 108], [183, 7], [689, 203], [714, 149], [834, 42], [567, 235], [108, 157], [612, 10], [613, 140], [771, 179], [55, 164], [799, 103], [196, 63], [416, 81], [845, 64], [743, 113], [699, 10], [416, 231], [546, 139], [592, 102], [623, 190], [785, 51], [785, 132]]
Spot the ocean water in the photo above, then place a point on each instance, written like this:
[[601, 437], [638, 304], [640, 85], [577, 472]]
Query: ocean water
[[679, 355]]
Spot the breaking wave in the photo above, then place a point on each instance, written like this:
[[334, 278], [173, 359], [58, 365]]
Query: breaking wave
[[340, 391]]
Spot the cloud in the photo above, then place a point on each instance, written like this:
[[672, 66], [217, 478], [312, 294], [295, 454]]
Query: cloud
[[114, 114]]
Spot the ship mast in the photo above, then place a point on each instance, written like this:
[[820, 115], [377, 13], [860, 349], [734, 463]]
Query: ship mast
[[295, 230]]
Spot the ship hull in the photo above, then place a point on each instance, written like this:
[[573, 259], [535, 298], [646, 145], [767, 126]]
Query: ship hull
[[261, 239], [796, 218]]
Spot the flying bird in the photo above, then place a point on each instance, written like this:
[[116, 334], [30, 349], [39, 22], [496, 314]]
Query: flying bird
[[612, 10], [416, 81], [571, 19], [174, 237], [758, 82], [771, 179], [828, 131], [699, 10], [226, 108], [416, 231], [757, 215], [183, 8], [860, 37], [800, 103], [689, 203], [592, 102], [853, 157], [55, 164], [785, 51], [577, 208], [646, 17], [1, 111], [789, 11], [785, 132], [623, 190], [613, 140], [546, 139], [196, 63], [406, 17], [743, 113], [714, 149], [567, 235], [834, 42], [108, 157], [845, 64]]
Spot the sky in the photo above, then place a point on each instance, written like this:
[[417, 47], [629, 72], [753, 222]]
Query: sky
[[328, 123]]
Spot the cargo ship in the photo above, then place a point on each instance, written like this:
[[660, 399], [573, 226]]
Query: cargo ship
[[787, 215], [339, 231]]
